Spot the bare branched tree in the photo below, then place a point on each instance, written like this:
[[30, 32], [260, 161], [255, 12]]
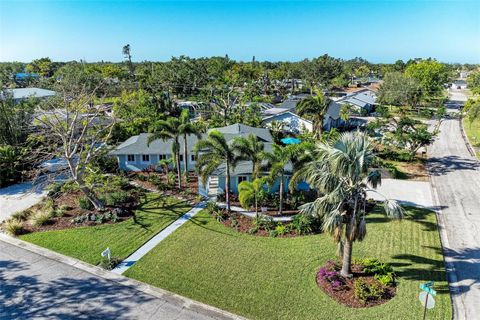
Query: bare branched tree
[[76, 123]]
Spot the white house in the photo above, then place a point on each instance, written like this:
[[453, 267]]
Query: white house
[[291, 121], [459, 84]]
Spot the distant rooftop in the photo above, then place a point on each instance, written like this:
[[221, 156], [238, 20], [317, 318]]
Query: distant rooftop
[[25, 93]]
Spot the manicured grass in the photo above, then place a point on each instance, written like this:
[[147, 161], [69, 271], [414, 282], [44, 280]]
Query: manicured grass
[[86, 243], [472, 130], [274, 278]]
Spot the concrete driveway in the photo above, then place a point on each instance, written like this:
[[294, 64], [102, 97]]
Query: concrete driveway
[[19, 197], [407, 192]]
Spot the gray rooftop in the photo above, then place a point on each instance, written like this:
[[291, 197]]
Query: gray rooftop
[[25, 93]]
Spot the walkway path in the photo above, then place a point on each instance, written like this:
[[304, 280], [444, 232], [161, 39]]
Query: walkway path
[[150, 244], [36, 283], [252, 214]]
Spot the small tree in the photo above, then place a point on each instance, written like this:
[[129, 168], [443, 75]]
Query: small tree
[[169, 130], [185, 128], [277, 160], [213, 152], [252, 192]]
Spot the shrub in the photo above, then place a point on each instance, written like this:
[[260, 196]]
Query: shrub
[[69, 186], [211, 206], [365, 291], [332, 277], [304, 224], [13, 227], [64, 207], [22, 215], [109, 265], [234, 222], [264, 222], [84, 203], [80, 219], [57, 212], [373, 266], [40, 218], [281, 229], [171, 179], [385, 279], [116, 198], [54, 189]]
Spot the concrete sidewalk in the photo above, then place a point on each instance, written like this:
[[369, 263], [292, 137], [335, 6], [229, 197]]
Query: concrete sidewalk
[[37, 283]]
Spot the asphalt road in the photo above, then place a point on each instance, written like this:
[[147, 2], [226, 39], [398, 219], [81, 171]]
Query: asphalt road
[[455, 177], [34, 286]]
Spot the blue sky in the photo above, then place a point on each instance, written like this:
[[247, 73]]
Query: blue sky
[[380, 31]]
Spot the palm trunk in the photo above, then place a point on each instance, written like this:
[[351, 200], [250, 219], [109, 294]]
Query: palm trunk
[[347, 258], [179, 172], [185, 155], [227, 187], [256, 205], [280, 207]]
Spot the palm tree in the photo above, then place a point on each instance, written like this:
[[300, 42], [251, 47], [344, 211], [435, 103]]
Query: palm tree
[[169, 130], [185, 128], [211, 153], [277, 160], [314, 107], [340, 172], [249, 192], [165, 164], [250, 148]]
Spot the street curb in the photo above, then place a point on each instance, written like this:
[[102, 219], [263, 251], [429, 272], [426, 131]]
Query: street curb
[[470, 147], [162, 294]]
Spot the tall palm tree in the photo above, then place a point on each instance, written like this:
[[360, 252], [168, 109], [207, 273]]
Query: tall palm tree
[[185, 128], [340, 172], [277, 160], [211, 153], [250, 148], [315, 107], [169, 130]]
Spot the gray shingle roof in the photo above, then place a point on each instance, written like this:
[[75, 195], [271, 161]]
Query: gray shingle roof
[[25, 93], [239, 129], [139, 145]]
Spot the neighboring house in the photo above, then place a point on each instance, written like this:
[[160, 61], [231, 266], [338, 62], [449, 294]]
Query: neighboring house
[[286, 112], [19, 94], [459, 84], [361, 100], [136, 155], [291, 122]]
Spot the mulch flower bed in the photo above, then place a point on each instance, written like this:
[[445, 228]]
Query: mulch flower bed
[[244, 224], [342, 289], [69, 200], [189, 191]]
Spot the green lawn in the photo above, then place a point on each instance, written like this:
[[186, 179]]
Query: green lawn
[[472, 130], [86, 243], [274, 278]]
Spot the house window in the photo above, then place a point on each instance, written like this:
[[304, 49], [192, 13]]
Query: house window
[[145, 157], [193, 157], [241, 179], [131, 158], [181, 158], [162, 157]]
